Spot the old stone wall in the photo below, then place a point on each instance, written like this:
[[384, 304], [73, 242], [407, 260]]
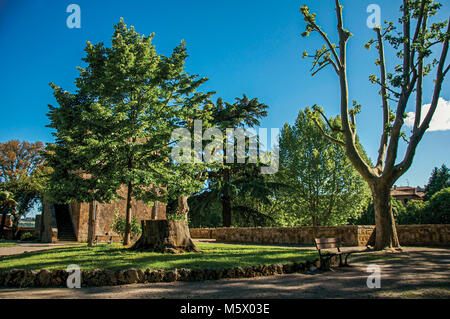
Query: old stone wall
[[8, 233], [105, 215], [409, 235], [424, 235]]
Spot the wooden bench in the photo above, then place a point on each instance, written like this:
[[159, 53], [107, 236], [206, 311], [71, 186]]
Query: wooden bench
[[99, 237], [325, 257]]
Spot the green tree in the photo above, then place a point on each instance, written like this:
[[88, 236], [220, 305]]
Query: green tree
[[413, 214], [324, 188], [437, 210], [238, 187], [23, 178], [413, 43], [368, 216], [115, 131], [439, 179], [119, 225]]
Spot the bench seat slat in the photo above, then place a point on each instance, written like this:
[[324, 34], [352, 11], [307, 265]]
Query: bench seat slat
[[326, 246], [326, 240]]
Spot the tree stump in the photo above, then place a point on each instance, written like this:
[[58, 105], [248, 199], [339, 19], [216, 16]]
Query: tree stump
[[165, 236]]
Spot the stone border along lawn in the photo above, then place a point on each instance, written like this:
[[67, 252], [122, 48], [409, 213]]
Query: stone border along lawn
[[98, 277], [108, 276]]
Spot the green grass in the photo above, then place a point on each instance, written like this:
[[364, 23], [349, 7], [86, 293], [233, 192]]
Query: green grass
[[7, 244], [115, 256]]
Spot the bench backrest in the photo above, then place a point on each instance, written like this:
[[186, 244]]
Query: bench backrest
[[324, 243]]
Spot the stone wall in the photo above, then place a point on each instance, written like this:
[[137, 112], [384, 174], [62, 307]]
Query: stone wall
[[303, 235], [8, 233], [409, 235], [104, 217], [424, 235], [106, 277]]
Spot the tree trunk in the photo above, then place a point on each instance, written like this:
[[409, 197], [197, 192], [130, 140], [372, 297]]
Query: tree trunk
[[226, 212], [226, 200], [2, 226], [15, 227], [165, 236], [127, 234], [385, 231], [92, 223], [183, 207], [154, 213]]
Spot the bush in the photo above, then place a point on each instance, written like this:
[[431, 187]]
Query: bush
[[368, 217], [434, 211], [437, 210], [118, 225], [27, 237]]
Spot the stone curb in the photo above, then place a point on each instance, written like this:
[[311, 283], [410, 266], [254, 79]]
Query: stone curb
[[18, 278]]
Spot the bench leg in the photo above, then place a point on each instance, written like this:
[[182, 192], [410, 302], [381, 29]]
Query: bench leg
[[325, 263], [346, 261], [340, 261]]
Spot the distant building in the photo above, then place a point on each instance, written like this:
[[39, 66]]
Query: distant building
[[406, 193]]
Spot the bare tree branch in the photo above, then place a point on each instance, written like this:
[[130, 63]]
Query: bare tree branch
[[384, 99], [420, 131], [331, 138]]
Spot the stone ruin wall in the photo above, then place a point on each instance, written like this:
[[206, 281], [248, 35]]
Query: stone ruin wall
[[409, 235]]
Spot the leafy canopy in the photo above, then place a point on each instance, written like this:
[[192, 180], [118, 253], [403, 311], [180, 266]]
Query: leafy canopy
[[116, 128]]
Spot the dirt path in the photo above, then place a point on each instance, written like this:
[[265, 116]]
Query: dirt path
[[21, 248], [415, 273]]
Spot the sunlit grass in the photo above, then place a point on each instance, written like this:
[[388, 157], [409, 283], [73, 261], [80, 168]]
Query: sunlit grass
[[7, 244], [115, 256]]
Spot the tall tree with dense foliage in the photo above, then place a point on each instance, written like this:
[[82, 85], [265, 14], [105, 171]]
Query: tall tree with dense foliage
[[115, 132], [234, 184], [23, 177], [324, 188], [439, 179], [415, 43]]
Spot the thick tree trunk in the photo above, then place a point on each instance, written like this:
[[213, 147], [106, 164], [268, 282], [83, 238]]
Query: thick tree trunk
[[226, 201], [386, 231], [127, 234], [165, 236]]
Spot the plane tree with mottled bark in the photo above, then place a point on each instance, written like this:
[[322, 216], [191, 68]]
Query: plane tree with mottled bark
[[417, 39]]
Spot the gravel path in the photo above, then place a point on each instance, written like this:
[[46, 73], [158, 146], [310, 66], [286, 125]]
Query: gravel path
[[414, 273]]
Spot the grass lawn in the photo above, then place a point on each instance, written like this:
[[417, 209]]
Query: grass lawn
[[7, 244], [115, 256]]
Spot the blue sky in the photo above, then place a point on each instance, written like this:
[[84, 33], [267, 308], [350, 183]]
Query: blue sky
[[252, 47]]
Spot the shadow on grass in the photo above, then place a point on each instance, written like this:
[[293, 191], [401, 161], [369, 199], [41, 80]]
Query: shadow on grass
[[115, 257]]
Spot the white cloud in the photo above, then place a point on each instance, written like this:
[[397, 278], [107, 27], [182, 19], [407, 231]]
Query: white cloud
[[440, 120]]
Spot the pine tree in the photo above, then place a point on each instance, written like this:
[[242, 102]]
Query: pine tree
[[439, 179]]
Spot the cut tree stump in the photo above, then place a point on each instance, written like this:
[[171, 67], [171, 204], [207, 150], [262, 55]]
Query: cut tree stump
[[165, 236]]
